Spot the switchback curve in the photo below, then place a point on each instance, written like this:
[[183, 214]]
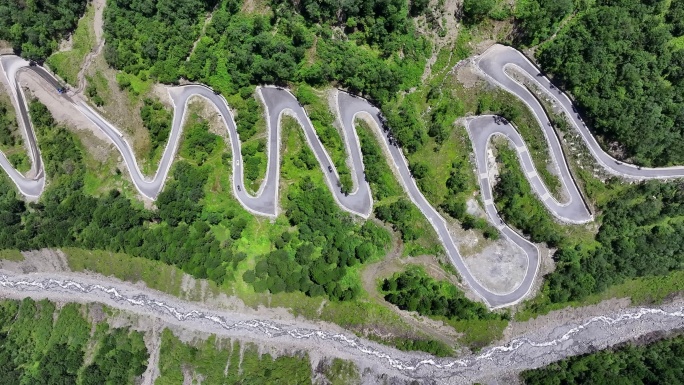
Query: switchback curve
[[279, 102]]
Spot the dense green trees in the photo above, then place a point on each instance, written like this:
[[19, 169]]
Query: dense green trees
[[475, 10], [414, 290], [157, 120], [620, 61], [154, 35], [639, 236], [239, 50], [327, 243], [539, 19], [517, 203], [313, 258], [657, 363], [382, 181], [42, 345], [402, 214], [34, 28]]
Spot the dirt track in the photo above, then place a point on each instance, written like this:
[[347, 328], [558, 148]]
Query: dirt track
[[540, 346]]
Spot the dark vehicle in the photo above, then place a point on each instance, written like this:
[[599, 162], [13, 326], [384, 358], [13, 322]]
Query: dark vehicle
[[32, 63], [239, 189], [61, 90], [329, 168]]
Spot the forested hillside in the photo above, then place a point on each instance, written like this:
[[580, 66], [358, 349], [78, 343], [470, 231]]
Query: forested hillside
[[623, 61], [640, 235], [35, 28], [658, 363], [40, 344], [239, 50], [313, 259]]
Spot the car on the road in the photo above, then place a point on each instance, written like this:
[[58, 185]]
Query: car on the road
[[239, 189], [329, 168]]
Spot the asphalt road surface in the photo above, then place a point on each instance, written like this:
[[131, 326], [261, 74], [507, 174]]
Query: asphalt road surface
[[279, 102]]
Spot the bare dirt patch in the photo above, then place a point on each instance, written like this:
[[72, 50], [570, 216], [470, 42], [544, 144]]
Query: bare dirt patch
[[61, 111], [45, 260], [467, 74], [121, 109], [256, 7]]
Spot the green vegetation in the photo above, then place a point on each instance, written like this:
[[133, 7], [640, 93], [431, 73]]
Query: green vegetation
[[327, 244], [342, 372], [312, 256], [11, 142], [382, 181], [153, 37], [227, 362], [255, 161], [94, 95], [198, 143], [44, 345], [157, 120], [474, 11], [67, 64], [455, 205], [11, 255], [657, 363], [251, 126], [434, 347], [238, 50], [414, 290], [517, 203], [539, 19], [619, 62], [322, 120], [391, 204], [637, 238], [35, 29]]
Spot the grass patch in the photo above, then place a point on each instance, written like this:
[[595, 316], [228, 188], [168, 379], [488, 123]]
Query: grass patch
[[322, 120], [209, 359], [11, 140], [11, 255], [67, 64], [342, 372], [641, 291], [387, 191], [156, 275]]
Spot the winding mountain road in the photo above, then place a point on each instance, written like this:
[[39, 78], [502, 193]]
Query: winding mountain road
[[278, 102]]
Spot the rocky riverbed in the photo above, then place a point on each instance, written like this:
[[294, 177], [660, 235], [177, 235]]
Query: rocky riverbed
[[540, 346]]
